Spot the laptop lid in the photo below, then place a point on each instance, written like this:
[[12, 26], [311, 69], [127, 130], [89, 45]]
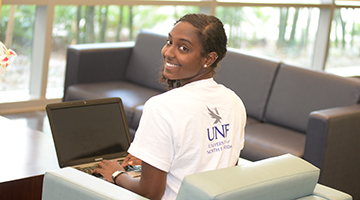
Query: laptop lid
[[89, 130]]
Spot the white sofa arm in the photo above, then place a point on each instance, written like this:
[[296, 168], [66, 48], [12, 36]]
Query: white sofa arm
[[69, 183], [330, 193], [284, 177]]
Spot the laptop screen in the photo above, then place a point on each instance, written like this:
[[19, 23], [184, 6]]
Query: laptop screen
[[88, 131]]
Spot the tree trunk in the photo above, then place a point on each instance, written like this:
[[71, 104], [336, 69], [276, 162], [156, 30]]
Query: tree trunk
[[284, 13], [89, 27], [78, 30], [118, 31], [343, 24], [307, 29], [103, 22], [131, 23], [336, 13], [293, 30], [10, 27]]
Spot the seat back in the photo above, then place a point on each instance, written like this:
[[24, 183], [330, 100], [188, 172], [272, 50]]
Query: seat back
[[250, 77], [299, 91], [146, 60]]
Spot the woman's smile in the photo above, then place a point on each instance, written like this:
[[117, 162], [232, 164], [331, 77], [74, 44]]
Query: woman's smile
[[171, 65]]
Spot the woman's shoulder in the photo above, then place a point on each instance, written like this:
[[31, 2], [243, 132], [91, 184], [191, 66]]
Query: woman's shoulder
[[167, 96]]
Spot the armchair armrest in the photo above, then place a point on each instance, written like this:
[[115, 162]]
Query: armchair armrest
[[329, 193], [332, 144], [69, 183], [90, 63], [282, 177]]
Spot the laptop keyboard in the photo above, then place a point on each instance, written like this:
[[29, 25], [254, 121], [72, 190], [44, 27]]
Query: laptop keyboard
[[89, 169]]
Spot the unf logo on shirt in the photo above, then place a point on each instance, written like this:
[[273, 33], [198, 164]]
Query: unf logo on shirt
[[214, 115], [216, 131]]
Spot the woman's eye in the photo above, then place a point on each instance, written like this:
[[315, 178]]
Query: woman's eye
[[168, 42], [183, 48]]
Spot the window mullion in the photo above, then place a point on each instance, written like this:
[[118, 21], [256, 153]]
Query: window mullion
[[321, 47], [41, 50]]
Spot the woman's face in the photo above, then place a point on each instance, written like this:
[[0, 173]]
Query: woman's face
[[182, 58]]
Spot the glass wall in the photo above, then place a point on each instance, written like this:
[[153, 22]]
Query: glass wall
[[95, 24], [344, 48], [16, 32], [284, 33], [287, 30]]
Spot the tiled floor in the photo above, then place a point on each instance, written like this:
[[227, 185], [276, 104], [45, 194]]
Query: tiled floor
[[34, 120]]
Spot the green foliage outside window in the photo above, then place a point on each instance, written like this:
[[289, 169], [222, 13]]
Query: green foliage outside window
[[284, 33]]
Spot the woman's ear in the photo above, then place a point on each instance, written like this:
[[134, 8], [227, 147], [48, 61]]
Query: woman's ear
[[210, 59]]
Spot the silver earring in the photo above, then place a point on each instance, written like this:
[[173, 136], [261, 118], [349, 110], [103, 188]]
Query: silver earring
[[205, 65]]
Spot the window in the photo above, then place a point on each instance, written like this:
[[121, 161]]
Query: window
[[94, 24], [16, 32], [283, 33], [344, 47], [318, 34]]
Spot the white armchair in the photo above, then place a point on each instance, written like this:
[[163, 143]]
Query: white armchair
[[282, 177]]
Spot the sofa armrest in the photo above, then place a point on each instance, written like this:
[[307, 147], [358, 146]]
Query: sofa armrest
[[69, 183], [90, 63], [329, 193], [282, 177], [332, 144]]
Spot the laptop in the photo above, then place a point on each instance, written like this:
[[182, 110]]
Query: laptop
[[89, 131]]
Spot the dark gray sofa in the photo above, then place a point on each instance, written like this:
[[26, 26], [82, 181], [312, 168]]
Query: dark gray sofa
[[307, 113]]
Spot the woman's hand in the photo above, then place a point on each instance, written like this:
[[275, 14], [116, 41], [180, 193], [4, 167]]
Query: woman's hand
[[131, 160], [151, 185], [107, 167]]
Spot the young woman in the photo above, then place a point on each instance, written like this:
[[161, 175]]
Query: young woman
[[196, 126]]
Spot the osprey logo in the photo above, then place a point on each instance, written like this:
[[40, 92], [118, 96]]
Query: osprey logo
[[214, 115], [217, 131]]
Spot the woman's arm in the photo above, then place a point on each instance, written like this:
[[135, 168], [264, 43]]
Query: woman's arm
[[151, 184]]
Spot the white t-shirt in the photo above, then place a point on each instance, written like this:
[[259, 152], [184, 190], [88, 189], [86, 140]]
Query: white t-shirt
[[191, 129]]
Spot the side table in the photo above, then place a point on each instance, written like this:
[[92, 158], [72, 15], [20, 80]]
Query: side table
[[26, 155]]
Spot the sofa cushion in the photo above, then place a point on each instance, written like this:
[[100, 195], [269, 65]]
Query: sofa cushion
[[132, 95], [250, 77], [298, 91], [146, 61], [264, 140], [136, 117], [283, 177], [251, 120]]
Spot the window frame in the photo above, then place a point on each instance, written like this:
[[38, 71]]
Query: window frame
[[43, 36]]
